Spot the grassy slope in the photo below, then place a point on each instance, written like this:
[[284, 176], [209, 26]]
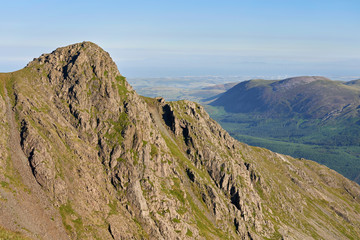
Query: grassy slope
[[291, 120], [274, 98], [354, 83], [335, 146]]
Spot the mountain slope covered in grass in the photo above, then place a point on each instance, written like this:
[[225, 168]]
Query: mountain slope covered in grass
[[305, 97], [310, 117]]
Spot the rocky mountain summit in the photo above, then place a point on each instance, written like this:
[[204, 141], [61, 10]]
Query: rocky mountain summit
[[83, 156]]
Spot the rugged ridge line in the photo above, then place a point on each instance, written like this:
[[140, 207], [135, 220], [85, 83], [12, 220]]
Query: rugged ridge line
[[119, 166]]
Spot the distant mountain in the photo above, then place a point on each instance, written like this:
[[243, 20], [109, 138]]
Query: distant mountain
[[353, 83], [311, 117], [308, 97]]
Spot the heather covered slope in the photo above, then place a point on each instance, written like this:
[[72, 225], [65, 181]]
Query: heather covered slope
[[88, 158]]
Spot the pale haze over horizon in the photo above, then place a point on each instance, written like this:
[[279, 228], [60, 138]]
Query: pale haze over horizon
[[197, 38]]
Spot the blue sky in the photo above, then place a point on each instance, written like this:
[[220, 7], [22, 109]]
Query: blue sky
[[181, 38]]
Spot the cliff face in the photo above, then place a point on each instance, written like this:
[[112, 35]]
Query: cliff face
[[88, 158]]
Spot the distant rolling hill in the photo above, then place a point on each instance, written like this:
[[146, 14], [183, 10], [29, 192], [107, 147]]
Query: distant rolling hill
[[353, 83], [310, 116], [309, 97]]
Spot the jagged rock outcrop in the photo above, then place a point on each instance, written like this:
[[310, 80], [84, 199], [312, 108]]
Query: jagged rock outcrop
[[115, 165]]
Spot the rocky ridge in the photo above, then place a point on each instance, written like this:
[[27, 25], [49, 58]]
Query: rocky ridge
[[114, 165]]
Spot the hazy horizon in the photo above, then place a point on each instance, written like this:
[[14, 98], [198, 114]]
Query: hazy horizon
[[192, 38]]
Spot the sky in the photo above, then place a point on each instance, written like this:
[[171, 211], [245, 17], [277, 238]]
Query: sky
[[191, 38]]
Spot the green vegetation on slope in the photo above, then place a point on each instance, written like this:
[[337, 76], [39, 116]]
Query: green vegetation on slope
[[205, 226], [9, 235], [336, 145], [305, 117]]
